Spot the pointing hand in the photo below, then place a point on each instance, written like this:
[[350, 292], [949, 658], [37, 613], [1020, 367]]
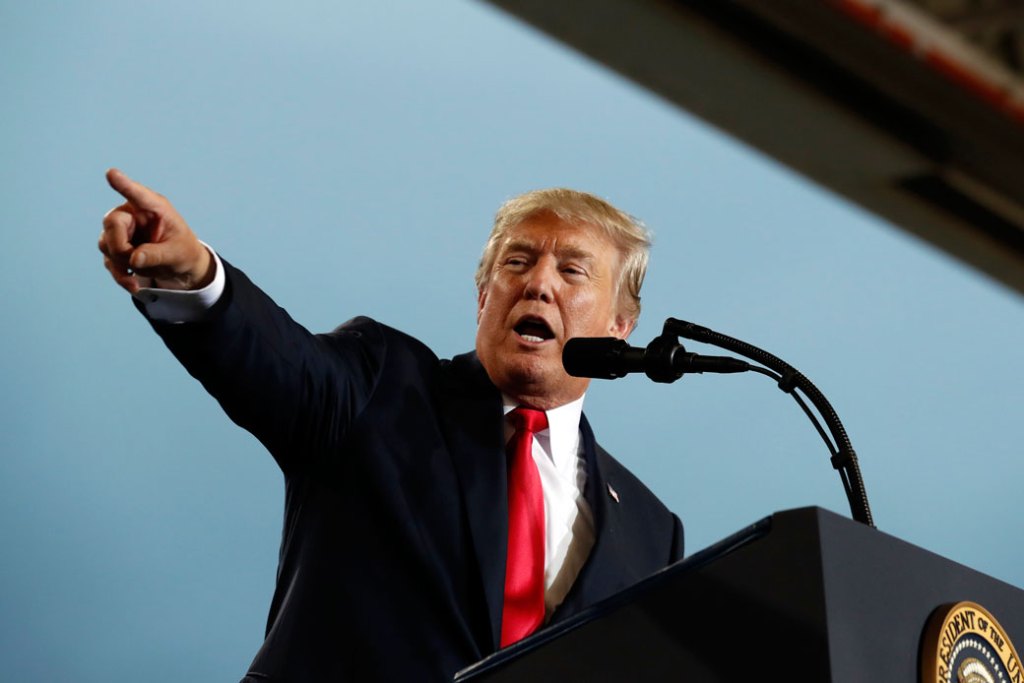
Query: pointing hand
[[146, 238]]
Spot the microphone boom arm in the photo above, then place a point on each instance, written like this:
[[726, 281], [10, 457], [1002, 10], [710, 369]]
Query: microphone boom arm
[[844, 458]]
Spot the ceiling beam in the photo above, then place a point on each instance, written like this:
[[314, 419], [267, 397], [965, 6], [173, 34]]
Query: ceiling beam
[[858, 113]]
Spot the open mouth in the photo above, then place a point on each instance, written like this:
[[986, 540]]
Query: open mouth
[[534, 330]]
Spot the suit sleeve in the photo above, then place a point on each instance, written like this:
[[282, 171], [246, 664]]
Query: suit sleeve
[[297, 392]]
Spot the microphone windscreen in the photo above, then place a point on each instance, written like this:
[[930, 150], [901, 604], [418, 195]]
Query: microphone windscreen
[[598, 357]]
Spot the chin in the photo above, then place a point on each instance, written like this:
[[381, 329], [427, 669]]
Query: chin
[[525, 379], [520, 376]]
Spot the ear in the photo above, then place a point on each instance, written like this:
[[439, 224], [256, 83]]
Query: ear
[[622, 326], [481, 299]]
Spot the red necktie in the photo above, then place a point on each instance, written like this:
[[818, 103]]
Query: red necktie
[[524, 564]]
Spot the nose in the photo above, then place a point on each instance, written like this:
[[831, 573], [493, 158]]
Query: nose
[[541, 282]]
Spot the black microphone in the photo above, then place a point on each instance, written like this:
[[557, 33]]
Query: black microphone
[[664, 359]]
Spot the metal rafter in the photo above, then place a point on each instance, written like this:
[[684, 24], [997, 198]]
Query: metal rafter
[[877, 100], [995, 26]]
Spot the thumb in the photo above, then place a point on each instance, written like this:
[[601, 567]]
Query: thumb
[[137, 194], [176, 264], [169, 255]]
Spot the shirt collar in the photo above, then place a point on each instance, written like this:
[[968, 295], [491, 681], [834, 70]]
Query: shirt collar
[[563, 430]]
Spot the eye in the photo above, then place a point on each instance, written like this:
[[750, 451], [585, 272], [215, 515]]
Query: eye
[[573, 270], [515, 261]]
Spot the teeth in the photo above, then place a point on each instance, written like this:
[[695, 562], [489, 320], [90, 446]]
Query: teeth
[[532, 338]]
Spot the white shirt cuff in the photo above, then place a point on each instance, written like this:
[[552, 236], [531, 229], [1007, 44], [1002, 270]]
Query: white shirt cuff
[[183, 305]]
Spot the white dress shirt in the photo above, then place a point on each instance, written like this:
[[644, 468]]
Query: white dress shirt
[[568, 520]]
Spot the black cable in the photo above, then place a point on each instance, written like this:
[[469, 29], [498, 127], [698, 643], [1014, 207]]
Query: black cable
[[800, 402]]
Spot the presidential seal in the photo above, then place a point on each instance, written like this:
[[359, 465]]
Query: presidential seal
[[963, 643]]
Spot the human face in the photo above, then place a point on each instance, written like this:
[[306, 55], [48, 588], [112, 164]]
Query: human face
[[551, 281]]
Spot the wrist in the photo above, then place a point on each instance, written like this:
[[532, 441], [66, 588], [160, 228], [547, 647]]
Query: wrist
[[200, 275], [205, 269]]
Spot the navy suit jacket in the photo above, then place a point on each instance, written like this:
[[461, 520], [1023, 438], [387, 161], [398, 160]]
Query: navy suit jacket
[[392, 559]]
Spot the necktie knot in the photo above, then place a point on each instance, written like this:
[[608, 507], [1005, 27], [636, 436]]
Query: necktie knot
[[529, 420]]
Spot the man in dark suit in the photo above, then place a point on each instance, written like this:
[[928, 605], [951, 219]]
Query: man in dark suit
[[423, 531]]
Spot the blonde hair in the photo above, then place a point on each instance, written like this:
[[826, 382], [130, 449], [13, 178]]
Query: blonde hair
[[627, 233]]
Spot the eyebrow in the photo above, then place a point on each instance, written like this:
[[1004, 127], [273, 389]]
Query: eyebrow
[[570, 251]]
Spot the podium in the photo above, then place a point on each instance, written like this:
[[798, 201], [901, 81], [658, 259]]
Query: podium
[[803, 595]]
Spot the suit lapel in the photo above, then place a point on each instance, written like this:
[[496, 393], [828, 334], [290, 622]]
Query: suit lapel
[[470, 409], [471, 412]]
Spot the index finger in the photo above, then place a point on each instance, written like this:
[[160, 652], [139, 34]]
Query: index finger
[[137, 194]]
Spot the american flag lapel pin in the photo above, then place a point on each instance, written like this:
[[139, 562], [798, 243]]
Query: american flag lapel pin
[[613, 493]]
